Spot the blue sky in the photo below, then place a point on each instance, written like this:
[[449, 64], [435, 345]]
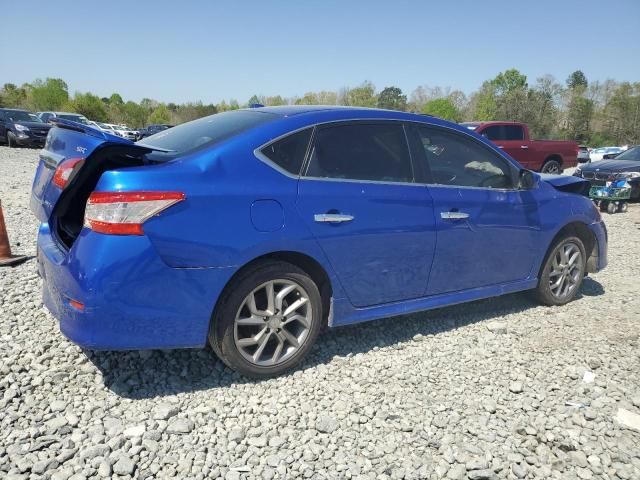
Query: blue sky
[[214, 50]]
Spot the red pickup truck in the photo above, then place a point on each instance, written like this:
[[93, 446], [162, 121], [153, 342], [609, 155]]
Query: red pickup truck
[[546, 156]]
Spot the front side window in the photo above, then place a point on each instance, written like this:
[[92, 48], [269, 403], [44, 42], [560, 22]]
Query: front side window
[[456, 160], [493, 133], [361, 151], [288, 153]]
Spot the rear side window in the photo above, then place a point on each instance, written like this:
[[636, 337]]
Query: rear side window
[[288, 153], [375, 152], [503, 132], [207, 130]]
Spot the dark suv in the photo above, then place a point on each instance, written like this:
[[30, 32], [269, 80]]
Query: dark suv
[[22, 128], [152, 130]]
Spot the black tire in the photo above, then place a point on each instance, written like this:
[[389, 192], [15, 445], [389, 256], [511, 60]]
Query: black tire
[[603, 205], [552, 166], [10, 141], [623, 207], [543, 291], [222, 331], [611, 207]]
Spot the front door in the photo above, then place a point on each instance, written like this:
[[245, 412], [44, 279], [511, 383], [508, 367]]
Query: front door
[[372, 221], [487, 230]]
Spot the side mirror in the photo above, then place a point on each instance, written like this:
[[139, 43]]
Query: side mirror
[[527, 180]]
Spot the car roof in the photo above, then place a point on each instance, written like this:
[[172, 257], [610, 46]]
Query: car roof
[[14, 110], [491, 122]]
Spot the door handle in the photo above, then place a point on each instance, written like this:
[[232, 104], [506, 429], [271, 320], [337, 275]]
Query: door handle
[[332, 217], [500, 147], [524, 147], [454, 215]]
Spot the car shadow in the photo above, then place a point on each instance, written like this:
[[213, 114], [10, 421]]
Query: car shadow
[[159, 373]]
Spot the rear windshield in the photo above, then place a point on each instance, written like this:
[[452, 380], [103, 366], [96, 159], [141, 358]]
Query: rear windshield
[[206, 131]]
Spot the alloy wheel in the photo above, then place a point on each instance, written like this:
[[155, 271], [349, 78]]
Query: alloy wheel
[[552, 168], [566, 270], [273, 322]]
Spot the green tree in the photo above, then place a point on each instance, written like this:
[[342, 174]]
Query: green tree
[[362, 96], [90, 106], [160, 114], [116, 99], [579, 116], [253, 100], [508, 81], [392, 98], [49, 94], [577, 80], [442, 108], [13, 96]]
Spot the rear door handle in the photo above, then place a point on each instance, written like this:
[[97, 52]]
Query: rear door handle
[[332, 217], [454, 215]]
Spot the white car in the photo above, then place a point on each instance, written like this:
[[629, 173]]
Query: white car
[[597, 153]]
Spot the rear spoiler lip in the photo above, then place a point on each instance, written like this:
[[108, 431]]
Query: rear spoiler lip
[[94, 132]]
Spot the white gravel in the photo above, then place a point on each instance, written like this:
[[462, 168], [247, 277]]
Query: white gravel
[[492, 389]]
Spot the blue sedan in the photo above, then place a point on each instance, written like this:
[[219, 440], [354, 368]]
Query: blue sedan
[[250, 230]]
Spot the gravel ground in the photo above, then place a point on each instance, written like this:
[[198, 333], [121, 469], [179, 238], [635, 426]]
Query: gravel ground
[[492, 389]]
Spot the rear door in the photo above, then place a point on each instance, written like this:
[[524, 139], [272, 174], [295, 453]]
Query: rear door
[[487, 230], [66, 141], [373, 222]]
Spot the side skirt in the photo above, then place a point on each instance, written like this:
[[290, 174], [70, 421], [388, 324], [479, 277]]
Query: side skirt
[[345, 314]]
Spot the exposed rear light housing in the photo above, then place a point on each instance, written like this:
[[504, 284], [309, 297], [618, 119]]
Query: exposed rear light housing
[[124, 213], [65, 171]]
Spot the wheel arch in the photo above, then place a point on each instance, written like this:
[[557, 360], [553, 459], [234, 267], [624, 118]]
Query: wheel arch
[[303, 261], [584, 233]]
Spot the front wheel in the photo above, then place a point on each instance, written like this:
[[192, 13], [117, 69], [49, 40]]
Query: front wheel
[[563, 272], [552, 166], [267, 320]]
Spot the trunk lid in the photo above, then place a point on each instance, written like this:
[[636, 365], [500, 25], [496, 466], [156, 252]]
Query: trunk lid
[[66, 140]]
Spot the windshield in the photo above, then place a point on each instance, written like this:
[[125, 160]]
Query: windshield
[[20, 116], [207, 130], [75, 118], [631, 154]]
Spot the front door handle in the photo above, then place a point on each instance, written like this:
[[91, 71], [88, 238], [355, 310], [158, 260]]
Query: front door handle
[[524, 147], [332, 217], [454, 215]]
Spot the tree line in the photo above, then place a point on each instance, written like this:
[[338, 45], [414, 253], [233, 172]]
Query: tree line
[[592, 113]]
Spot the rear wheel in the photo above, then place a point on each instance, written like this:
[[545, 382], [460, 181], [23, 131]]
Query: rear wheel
[[623, 207], [552, 166], [611, 207], [267, 320], [563, 272]]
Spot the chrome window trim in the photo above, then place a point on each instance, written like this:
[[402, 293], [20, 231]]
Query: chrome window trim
[[263, 158]]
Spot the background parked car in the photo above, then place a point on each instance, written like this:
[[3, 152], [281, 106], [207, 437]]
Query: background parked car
[[75, 117], [546, 156], [625, 166], [22, 128], [583, 154], [153, 129], [597, 154]]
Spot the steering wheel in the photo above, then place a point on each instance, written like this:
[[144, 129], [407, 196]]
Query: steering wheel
[[495, 181]]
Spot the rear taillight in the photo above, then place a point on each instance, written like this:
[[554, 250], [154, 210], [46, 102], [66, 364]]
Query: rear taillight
[[123, 213], [66, 170]]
